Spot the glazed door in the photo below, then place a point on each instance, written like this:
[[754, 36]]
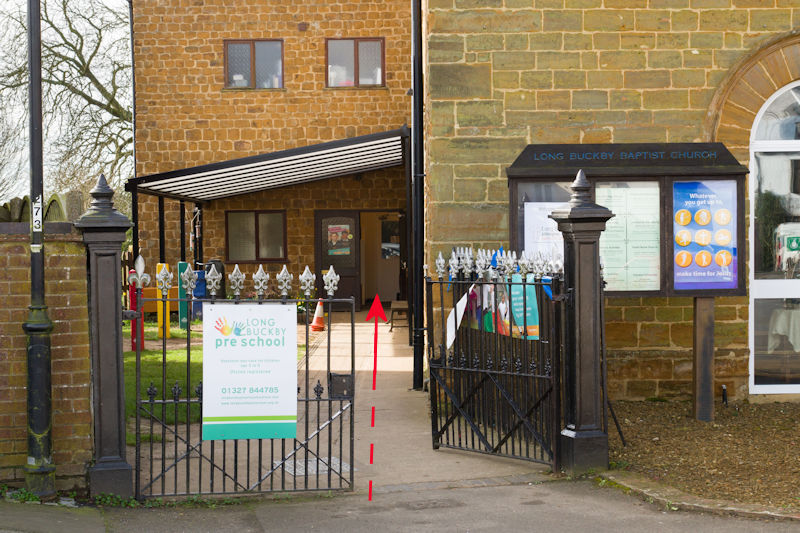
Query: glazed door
[[337, 238], [775, 245]]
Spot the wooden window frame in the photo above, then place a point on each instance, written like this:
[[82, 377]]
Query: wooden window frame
[[252, 43], [357, 40], [256, 213]]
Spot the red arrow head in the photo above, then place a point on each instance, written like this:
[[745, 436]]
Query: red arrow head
[[376, 310]]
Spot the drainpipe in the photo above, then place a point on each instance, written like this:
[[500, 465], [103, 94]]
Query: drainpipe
[[134, 192], [418, 190], [39, 469]]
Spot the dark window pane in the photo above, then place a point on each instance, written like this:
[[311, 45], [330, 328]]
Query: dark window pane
[[238, 65], [776, 341], [270, 235], [341, 63], [241, 237], [369, 63], [268, 65]]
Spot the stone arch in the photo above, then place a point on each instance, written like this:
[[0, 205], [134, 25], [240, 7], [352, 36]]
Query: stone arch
[[748, 85]]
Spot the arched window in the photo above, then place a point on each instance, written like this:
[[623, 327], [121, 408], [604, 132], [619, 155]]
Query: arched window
[[775, 244]]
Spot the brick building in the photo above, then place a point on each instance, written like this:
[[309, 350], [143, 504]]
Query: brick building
[[285, 124], [504, 74]]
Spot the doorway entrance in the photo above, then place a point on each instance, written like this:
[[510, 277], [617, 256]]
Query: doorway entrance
[[367, 249], [338, 244], [775, 245], [381, 255]]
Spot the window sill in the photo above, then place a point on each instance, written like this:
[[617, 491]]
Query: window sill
[[253, 89], [357, 87]]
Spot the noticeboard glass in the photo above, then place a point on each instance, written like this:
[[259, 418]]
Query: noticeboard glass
[[705, 235], [630, 246]]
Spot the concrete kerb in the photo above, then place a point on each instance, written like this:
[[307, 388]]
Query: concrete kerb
[[673, 499]]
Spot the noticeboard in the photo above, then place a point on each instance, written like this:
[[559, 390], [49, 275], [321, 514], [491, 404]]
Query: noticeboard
[[645, 185], [249, 371], [705, 237]]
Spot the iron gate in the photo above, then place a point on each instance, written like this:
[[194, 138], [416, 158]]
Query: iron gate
[[171, 457], [491, 390]]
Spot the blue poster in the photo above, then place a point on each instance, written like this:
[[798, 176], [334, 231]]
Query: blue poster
[[704, 235]]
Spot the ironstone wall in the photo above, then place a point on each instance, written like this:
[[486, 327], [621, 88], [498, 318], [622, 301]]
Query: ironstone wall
[[502, 74], [186, 117], [66, 298]]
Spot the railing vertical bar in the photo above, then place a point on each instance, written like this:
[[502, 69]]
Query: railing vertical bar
[[164, 321], [152, 410], [307, 392], [353, 392], [329, 402], [188, 389], [135, 330], [176, 407], [456, 383], [235, 466], [211, 469]]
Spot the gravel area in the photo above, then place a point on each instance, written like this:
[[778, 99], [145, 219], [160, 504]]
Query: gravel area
[[749, 454]]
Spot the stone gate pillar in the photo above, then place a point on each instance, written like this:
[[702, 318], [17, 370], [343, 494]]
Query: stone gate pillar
[[584, 442], [103, 230]]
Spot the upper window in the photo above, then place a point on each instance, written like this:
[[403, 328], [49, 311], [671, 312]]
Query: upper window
[[355, 62], [254, 64], [256, 235]]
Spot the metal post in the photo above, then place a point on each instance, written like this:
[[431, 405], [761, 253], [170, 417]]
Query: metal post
[[584, 441], [183, 230], [418, 193], [39, 469], [199, 234], [104, 230], [161, 238], [135, 215]]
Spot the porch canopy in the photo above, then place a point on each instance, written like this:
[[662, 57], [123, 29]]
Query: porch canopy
[[277, 169]]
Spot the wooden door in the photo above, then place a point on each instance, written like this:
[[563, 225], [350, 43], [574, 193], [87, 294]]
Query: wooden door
[[338, 238]]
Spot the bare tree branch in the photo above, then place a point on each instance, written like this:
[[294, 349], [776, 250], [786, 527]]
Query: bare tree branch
[[87, 81]]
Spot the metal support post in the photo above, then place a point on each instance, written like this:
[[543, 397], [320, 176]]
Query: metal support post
[[584, 440], [418, 214]]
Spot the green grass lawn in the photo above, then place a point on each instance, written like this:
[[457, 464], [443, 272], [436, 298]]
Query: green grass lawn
[[152, 368]]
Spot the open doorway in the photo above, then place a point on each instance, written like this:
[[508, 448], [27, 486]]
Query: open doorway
[[381, 256]]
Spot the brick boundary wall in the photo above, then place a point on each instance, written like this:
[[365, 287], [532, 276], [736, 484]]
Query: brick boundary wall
[[66, 299]]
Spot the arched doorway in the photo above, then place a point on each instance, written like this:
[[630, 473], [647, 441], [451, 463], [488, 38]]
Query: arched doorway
[[775, 244]]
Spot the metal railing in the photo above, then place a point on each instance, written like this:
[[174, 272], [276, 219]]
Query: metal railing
[[495, 373], [171, 457]]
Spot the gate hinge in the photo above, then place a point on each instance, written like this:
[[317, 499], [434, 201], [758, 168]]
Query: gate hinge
[[130, 314], [564, 297]]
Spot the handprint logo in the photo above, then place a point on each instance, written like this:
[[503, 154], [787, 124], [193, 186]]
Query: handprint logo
[[237, 328], [222, 326]]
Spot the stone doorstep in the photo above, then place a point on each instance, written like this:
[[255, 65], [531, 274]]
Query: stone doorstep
[[677, 500]]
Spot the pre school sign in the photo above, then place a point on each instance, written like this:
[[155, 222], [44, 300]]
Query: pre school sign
[[249, 371]]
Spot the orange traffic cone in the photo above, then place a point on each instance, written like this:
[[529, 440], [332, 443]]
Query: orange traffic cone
[[318, 324]]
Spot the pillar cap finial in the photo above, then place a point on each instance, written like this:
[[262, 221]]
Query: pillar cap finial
[[581, 206], [581, 190], [101, 213]]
